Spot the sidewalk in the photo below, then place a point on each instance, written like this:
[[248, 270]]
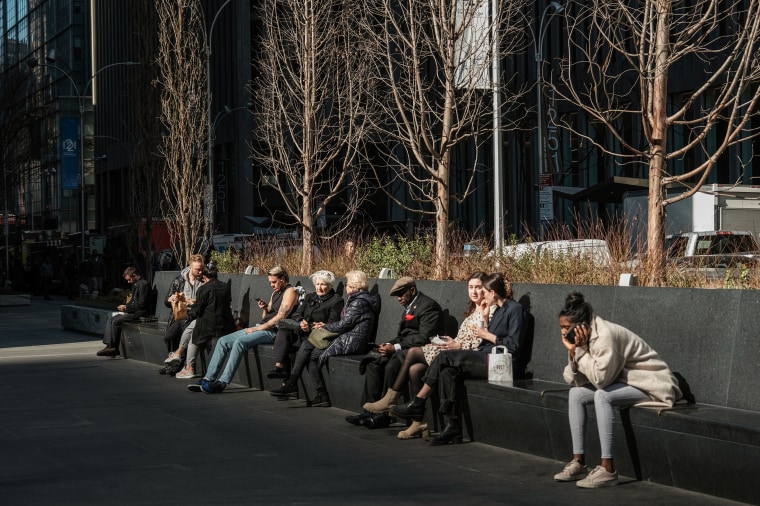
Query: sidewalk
[[79, 429]]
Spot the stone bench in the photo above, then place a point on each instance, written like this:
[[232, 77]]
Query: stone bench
[[90, 320], [707, 336]]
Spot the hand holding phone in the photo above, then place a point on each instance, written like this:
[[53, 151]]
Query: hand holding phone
[[570, 336]]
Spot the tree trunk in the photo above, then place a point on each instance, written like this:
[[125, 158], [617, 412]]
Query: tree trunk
[[657, 162], [442, 225]]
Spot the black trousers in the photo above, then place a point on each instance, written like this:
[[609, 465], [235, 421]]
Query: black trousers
[[285, 343], [381, 375], [174, 333], [112, 336], [308, 358], [449, 369]]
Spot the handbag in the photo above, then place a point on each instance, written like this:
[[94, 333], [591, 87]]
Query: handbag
[[179, 307], [500, 366], [321, 338]]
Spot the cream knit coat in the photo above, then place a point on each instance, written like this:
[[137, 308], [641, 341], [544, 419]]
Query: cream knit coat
[[614, 354]]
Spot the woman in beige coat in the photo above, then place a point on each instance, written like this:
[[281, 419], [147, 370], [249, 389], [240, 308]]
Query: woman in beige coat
[[608, 366]]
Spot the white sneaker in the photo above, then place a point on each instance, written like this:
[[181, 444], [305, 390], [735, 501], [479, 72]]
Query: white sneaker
[[573, 471], [186, 373], [172, 356], [598, 478]]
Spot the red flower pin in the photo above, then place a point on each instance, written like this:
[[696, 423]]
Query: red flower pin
[[409, 317]]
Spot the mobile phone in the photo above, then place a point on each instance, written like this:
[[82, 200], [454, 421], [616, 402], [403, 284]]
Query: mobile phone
[[570, 336], [259, 299]]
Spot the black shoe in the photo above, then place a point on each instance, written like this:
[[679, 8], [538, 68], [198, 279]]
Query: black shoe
[[452, 434], [195, 387], [380, 421], [277, 373], [108, 352], [288, 390], [414, 409], [322, 401], [358, 419]]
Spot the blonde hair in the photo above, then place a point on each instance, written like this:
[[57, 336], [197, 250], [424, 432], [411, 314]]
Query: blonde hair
[[357, 279], [279, 272], [325, 276]]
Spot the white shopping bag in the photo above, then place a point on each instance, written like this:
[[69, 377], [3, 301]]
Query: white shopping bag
[[500, 366]]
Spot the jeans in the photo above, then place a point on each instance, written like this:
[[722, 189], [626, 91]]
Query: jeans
[[234, 345], [604, 400]]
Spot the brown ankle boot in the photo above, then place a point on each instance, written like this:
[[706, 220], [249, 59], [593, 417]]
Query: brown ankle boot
[[416, 429], [384, 404]]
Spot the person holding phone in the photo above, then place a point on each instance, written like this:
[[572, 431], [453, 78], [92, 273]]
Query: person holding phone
[[418, 359], [322, 305], [608, 366], [229, 349], [505, 327]]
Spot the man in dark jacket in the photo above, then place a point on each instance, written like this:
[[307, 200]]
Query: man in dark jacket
[[212, 309], [136, 307], [420, 321]]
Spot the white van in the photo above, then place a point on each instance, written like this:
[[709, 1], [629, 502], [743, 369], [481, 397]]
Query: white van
[[596, 249]]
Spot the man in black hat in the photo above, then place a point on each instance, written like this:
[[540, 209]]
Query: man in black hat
[[421, 320]]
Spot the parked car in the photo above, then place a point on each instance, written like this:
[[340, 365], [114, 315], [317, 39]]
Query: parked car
[[716, 248], [595, 249]]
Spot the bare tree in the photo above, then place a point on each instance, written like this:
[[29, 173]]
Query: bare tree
[[436, 58], [621, 61], [184, 116], [312, 115], [146, 167]]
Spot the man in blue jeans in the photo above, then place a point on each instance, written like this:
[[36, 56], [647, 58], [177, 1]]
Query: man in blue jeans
[[281, 305]]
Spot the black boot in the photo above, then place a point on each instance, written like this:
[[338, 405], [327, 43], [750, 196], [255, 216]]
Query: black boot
[[277, 373], [289, 389], [322, 400], [414, 409], [451, 434]]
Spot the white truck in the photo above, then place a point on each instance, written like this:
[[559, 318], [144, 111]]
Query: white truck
[[714, 207]]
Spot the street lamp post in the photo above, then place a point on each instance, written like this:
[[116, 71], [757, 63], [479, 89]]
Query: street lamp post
[[210, 125], [539, 43], [498, 167], [33, 62]]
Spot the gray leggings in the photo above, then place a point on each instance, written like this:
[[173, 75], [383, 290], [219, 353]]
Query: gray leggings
[[186, 342], [605, 401]]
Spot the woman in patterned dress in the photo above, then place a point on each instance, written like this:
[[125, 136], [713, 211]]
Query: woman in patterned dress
[[418, 359]]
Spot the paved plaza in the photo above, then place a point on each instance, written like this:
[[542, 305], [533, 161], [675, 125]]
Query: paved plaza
[[79, 429]]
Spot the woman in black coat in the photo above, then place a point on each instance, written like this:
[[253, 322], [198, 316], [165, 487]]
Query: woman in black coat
[[323, 306]]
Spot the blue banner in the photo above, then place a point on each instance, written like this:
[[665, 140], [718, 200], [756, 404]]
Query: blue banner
[[70, 153]]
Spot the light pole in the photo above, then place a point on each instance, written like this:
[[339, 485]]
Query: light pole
[[33, 62], [498, 167], [539, 43], [210, 125]]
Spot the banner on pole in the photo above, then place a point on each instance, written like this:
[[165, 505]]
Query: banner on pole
[[70, 147]]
